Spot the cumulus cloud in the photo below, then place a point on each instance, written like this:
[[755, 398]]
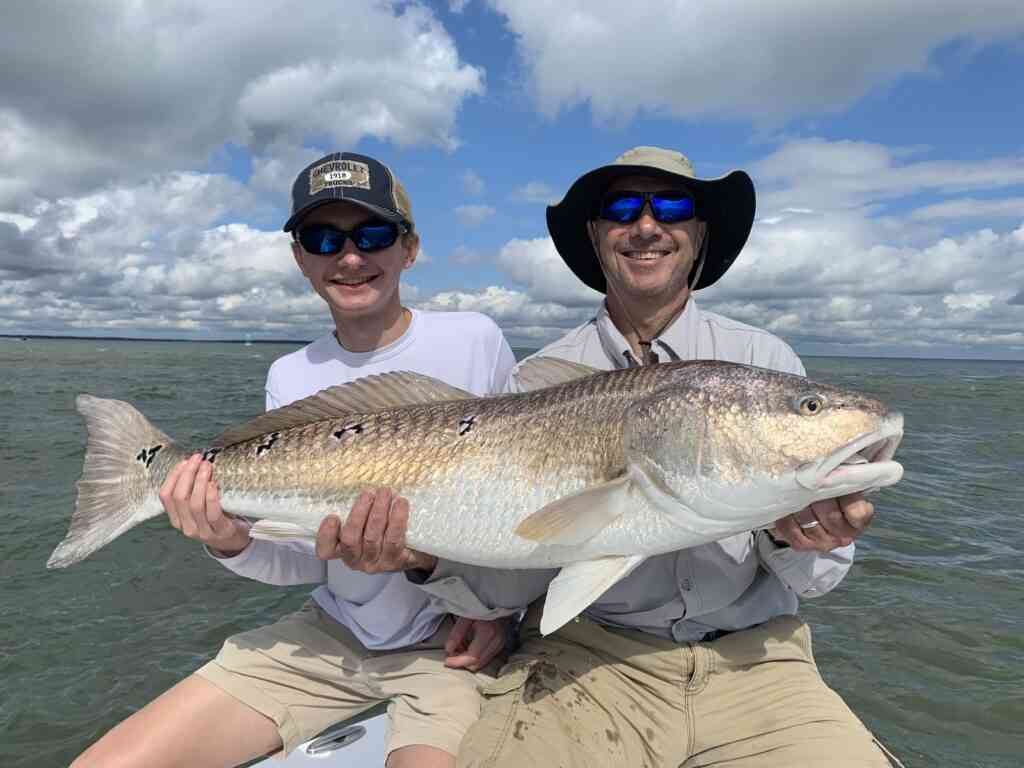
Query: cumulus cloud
[[842, 272], [150, 258], [747, 59], [473, 215], [175, 81], [525, 320]]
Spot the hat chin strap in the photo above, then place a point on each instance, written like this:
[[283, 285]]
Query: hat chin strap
[[702, 259]]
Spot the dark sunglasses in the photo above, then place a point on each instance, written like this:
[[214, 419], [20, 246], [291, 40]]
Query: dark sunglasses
[[325, 240], [668, 207]]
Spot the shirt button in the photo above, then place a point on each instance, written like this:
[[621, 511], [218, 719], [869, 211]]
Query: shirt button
[[686, 584]]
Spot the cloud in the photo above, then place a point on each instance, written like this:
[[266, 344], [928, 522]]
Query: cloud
[[473, 215], [815, 174], [457, 6], [536, 265], [472, 184], [536, 192], [525, 320], [745, 59], [967, 208], [176, 81]]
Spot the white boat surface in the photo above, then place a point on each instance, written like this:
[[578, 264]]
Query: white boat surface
[[358, 741]]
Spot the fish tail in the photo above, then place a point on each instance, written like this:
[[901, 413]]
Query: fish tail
[[124, 457]]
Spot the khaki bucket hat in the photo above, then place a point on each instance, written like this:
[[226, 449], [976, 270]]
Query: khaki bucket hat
[[726, 204]]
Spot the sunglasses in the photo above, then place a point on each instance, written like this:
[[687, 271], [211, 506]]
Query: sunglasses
[[668, 207], [325, 240]]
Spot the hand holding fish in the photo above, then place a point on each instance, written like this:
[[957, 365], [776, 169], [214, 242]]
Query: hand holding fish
[[372, 539], [191, 499], [827, 524]]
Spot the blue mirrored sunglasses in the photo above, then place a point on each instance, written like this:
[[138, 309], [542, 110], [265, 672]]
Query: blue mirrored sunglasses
[[668, 207], [325, 240]]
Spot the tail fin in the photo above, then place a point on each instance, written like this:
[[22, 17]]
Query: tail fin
[[116, 489]]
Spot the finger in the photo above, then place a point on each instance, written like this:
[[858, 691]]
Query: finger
[[829, 513], [858, 511], [197, 502], [457, 637], [790, 532], [219, 523], [183, 494], [479, 648], [376, 524], [327, 543], [167, 492], [811, 527], [496, 646], [351, 536], [393, 551]]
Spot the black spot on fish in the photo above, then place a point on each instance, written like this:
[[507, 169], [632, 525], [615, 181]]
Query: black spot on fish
[[211, 454], [355, 429], [466, 424], [266, 446], [146, 455]]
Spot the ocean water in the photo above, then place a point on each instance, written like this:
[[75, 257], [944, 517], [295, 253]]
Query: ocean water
[[924, 639]]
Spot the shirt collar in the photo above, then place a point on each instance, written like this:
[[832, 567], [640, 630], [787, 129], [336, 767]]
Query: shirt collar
[[677, 342]]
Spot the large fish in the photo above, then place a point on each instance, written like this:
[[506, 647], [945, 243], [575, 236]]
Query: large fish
[[590, 471]]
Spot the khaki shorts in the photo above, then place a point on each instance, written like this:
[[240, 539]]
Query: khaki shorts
[[589, 696], [307, 672]]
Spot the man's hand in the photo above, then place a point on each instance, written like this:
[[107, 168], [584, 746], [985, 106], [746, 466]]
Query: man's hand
[[473, 643], [191, 500], [826, 525], [372, 539]]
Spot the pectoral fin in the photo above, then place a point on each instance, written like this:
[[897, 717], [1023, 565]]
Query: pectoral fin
[[574, 519], [271, 530], [578, 585]]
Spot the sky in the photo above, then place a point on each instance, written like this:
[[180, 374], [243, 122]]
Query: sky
[[147, 151]]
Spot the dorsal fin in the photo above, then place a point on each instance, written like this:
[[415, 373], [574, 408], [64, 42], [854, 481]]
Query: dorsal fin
[[379, 392], [540, 372]]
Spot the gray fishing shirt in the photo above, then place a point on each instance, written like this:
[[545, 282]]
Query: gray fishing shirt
[[727, 585]]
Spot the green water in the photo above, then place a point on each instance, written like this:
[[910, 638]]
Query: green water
[[924, 639]]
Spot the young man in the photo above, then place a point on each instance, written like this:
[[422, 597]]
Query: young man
[[364, 638], [696, 657]]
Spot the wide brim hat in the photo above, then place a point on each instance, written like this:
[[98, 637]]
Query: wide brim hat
[[725, 204]]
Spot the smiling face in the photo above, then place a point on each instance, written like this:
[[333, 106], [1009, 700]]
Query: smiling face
[[357, 286], [646, 262]]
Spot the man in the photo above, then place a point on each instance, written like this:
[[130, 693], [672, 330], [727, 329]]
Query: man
[[697, 657], [363, 639]]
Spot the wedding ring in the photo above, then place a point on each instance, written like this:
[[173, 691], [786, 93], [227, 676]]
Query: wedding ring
[[805, 526]]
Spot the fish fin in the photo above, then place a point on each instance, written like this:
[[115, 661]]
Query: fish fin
[[541, 372], [579, 584], [273, 530], [120, 446], [367, 395], [576, 518]]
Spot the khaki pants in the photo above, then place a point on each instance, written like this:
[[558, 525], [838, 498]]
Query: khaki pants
[[589, 696], [307, 672]]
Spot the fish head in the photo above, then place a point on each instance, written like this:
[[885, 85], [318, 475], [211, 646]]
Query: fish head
[[730, 441]]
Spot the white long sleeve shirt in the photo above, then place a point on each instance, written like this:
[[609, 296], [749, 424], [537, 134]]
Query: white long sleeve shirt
[[384, 611], [726, 585]]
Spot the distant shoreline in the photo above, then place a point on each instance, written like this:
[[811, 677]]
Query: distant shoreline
[[524, 350]]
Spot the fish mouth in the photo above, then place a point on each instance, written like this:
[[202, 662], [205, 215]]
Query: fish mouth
[[863, 464]]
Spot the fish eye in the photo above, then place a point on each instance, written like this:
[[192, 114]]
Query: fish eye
[[810, 405]]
